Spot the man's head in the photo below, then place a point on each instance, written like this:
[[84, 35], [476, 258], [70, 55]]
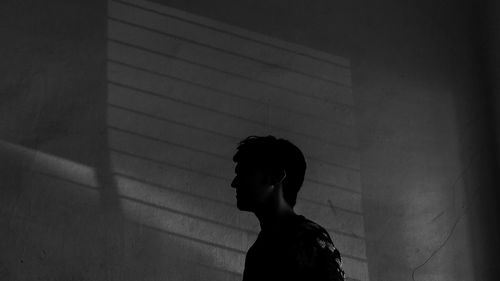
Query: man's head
[[263, 163]]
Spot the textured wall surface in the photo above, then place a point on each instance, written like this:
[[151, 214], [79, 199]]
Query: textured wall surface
[[184, 89], [52, 129], [118, 120]]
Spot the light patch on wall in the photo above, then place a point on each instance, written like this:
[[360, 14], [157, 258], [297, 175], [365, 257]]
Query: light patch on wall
[[53, 169], [183, 90], [52, 165]]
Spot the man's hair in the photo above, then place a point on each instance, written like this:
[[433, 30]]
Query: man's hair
[[277, 156]]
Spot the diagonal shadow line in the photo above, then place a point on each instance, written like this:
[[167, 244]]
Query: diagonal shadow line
[[197, 217], [210, 243], [168, 142], [165, 163], [250, 231], [316, 138], [218, 269], [232, 53], [143, 158], [206, 130], [346, 278], [340, 232], [352, 235], [232, 138], [199, 241], [326, 140], [238, 76], [232, 34], [220, 92], [162, 208], [188, 148], [162, 186]]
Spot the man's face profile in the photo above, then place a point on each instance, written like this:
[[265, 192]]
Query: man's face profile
[[252, 186]]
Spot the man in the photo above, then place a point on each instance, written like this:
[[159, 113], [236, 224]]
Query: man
[[269, 174]]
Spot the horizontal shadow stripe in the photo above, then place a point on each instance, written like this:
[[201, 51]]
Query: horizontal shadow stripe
[[194, 239], [34, 221], [252, 59], [304, 135], [336, 64], [232, 137], [210, 154], [328, 112], [197, 241], [149, 103], [220, 269], [356, 260], [169, 143], [130, 188], [248, 230], [217, 223], [223, 139], [132, 181], [190, 126], [210, 175], [57, 178], [163, 186], [344, 157], [310, 201], [211, 221], [169, 133], [355, 227], [237, 77], [160, 169], [217, 215], [160, 207], [165, 163]]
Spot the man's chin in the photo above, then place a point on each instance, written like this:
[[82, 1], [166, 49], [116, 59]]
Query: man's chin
[[243, 207]]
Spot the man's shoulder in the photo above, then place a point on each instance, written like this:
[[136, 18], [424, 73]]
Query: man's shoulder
[[302, 250], [308, 235], [313, 248], [305, 227]]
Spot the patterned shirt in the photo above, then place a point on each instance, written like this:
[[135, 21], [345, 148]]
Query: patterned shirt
[[300, 250]]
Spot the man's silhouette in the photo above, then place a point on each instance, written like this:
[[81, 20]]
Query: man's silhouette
[[269, 174]]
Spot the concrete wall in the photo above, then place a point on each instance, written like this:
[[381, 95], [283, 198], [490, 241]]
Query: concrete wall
[[111, 173]]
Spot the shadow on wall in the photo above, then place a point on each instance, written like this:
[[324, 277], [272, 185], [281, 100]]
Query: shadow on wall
[[59, 229], [475, 104], [61, 214], [125, 174], [183, 90]]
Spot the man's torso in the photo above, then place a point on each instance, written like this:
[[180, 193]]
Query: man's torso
[[300, 250]]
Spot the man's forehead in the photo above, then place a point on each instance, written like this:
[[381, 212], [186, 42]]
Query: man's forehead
[[250, 167], [245, 165]]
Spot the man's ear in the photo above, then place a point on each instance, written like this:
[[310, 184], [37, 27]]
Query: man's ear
[[277, 177]]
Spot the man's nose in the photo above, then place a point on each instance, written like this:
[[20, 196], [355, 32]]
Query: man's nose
[[233, 183]]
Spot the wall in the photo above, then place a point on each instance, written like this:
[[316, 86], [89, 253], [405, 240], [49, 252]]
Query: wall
[[182, 90], [423, 133], [52, 116]]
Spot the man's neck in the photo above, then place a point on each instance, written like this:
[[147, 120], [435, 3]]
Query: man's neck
[[274, 216]]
